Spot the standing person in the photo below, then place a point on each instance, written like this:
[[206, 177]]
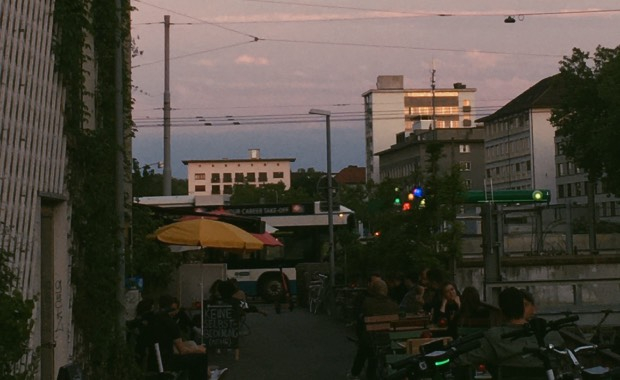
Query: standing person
[[505, 358], [166, 332], [376, 303]]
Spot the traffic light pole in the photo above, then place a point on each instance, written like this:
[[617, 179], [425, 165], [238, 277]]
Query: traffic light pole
[[492, 244]]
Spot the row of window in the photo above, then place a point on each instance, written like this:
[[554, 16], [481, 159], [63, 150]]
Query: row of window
[[516, 146], [521, 121], [576, 189], [517, 167], [215, 189], [567, 168], [239, 177]]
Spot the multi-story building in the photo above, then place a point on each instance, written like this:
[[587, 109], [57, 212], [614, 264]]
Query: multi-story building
[[215, 177], [519, 140], [572, 187], [37, 196], [391, 109], [461, 146]]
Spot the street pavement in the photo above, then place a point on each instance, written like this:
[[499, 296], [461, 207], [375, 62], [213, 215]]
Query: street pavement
[[290, 345]]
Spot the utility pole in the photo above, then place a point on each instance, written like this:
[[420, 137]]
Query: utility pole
[[120, 166], [433, 126], [167, 170]]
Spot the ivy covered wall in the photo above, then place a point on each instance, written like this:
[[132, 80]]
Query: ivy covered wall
[[84, 49]]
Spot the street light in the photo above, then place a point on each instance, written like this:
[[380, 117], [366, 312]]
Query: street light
[[330, 195]]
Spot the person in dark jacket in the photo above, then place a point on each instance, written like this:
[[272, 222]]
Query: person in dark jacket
[[176, 355], [377, 302]]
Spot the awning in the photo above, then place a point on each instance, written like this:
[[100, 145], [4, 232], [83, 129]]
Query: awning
[[268, 239]]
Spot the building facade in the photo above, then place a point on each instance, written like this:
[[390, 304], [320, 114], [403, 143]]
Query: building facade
[[215, 177], [519, 141], [34, 202], [391, 109], [461, 146]]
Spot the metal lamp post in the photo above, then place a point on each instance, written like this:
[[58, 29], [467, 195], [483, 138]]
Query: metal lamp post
[[330, 195]]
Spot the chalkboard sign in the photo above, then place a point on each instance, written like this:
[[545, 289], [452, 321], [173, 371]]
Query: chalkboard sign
[[221, 327]]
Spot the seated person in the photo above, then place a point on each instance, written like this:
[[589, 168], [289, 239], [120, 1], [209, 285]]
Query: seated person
[[474, 312], [499, 353], [176, 355]]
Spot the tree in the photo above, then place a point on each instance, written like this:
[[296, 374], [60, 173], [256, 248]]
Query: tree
[[588, 113], [16, 321]]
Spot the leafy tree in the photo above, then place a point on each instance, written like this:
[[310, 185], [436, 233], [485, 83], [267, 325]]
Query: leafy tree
[[427, 234], [147, 183], [588, 115], [16, 321]]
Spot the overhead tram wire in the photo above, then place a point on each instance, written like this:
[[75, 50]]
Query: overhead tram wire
[[266, 120], [397, 112]]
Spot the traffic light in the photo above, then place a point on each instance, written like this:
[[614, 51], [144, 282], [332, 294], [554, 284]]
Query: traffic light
[[406, 206], [508, 196]]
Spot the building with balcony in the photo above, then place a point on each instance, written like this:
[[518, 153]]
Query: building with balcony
[[391, 109], [218, 177]]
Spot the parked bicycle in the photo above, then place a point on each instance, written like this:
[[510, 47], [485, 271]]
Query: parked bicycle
[[548, 352], [435, 364], [317, 292]]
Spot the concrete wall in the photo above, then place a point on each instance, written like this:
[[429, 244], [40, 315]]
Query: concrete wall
[[579, 284]]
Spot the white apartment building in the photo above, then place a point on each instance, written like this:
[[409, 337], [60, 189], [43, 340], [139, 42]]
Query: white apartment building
[[218, 177], [391, 109], [519, 141]]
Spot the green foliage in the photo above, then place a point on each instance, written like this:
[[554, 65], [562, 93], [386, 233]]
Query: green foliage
[[16, 321], [146, 183], [427, 235], [588, 113], [151, 260], [91, 178]]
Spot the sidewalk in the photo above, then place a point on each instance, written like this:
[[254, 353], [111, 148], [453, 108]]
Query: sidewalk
[[290, 345]]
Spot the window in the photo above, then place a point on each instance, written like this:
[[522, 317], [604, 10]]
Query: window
[[560, 169], [227, 177], [215, 177], [251, 177], [528, 164], [262, 177], [578, 189], [560, 191], [464, 148], [200, 176], [517, 167], [465, 166], [239, 177], [228, 189], [200, 189], [278, 174], [215, 189], [467, 184]]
